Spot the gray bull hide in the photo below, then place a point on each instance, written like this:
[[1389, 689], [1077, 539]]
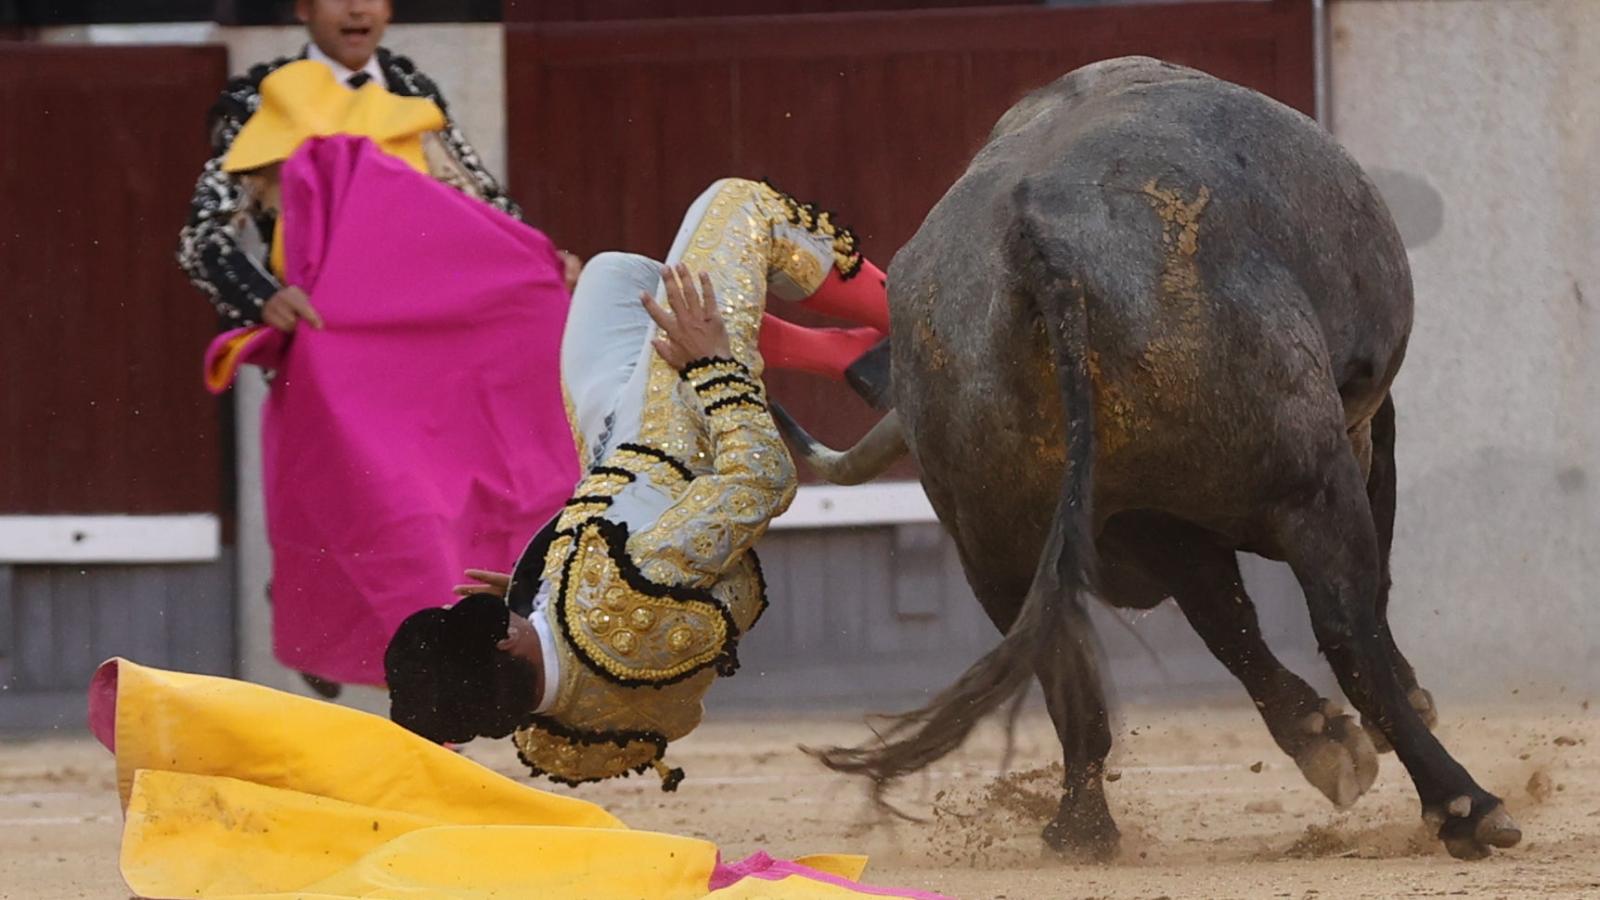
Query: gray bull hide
[[1155, 323]]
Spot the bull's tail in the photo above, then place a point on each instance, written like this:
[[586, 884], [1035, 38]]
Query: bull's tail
[[918, 738], [871, 456]]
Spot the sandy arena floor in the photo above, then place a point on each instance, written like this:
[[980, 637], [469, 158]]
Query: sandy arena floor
[[1198, 819]]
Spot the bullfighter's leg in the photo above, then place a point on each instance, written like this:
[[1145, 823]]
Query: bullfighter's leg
[[827, 352], [1381, 494], [1326, 532], [810, 261], [1146, 558]]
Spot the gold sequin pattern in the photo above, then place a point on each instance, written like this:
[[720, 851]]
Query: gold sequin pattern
[[572, 422], [630, 643], [799, 264], [733, 244], [568, 760], [700, 373], [659, 471]]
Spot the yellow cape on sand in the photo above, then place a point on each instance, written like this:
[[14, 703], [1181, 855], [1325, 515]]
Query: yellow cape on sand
[[233, 791], [303, 100]]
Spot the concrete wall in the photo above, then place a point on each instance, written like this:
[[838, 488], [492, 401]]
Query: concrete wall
[[1480, 120]]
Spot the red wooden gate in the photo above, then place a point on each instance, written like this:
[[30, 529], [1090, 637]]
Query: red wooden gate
[[101, 404], [615, 126]]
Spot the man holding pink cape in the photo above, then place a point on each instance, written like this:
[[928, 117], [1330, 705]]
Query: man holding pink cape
[[421, 427]]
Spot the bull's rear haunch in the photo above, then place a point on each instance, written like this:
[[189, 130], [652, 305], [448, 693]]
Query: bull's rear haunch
[[1154, 323]]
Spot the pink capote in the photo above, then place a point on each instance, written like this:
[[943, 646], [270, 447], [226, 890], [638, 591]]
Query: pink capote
[[422, 430]]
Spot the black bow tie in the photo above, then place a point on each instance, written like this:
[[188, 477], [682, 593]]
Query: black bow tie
[[358, 79]]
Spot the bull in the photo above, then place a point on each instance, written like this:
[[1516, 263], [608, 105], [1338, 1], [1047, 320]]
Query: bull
[[1153, 324]]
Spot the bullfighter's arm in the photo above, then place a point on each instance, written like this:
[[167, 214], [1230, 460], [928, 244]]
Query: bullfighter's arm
[[723, 513]]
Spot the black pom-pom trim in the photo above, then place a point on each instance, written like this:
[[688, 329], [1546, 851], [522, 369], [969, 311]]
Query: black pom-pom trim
[[761, 587], [726, 402], [694, 365], [586, 499], [662, 456], [813, 218], [612, 470], [721, 380], [674, 778], [591, 738]]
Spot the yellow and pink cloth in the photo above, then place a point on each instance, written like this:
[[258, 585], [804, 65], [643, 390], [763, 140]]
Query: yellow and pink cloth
[[232, 791]]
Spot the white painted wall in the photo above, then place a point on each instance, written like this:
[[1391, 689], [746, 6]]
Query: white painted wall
[[1494, 105]]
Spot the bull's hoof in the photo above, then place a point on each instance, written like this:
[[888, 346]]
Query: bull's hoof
[[1472, 830], [1422, 702], [1339, 760], [1078, 839]]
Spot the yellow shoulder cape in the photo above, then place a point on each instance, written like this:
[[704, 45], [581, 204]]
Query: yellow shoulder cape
[[303, 100]]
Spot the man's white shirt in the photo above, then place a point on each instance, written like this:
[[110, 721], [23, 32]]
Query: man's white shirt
[[342, 73]]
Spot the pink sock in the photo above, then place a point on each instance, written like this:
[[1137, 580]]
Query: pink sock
[[862, 299], [819, 351]]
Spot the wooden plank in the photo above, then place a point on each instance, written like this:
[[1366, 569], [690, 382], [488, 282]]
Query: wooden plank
[[117, 613], [75, 595], [607, 10], [8, 634], [811, 631], [43, 712], [1109, 30], [144, 593], [33, 622], [199, 618], [919, 590]]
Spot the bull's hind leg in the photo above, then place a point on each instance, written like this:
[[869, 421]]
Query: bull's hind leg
[[1147, 557], [1381, 495], [1076, 699], [1327, 534]]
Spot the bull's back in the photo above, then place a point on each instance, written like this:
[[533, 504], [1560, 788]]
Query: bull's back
[[1217, 236]]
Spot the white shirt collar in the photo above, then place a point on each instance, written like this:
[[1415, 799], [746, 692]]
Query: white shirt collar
[[343, 74], [547, 650]]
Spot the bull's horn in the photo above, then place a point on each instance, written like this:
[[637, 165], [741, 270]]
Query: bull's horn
[[869, 458]]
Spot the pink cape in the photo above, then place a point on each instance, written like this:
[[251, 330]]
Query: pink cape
[[422, 430]]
